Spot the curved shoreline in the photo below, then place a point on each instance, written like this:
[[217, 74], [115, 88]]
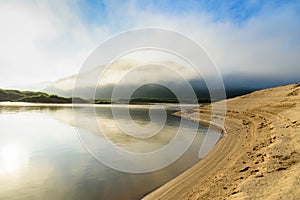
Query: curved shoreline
[[258, 156]]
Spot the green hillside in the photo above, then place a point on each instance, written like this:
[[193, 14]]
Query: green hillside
[[41, 97], [34, 97]]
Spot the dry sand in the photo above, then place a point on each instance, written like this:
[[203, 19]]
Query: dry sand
[[258, 157]]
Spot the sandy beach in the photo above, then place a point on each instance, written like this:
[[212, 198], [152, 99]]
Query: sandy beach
[[258, 156]]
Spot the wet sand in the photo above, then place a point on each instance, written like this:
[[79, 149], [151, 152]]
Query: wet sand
[[258, 156]]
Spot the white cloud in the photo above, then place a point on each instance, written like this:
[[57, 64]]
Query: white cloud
[[42, 41], [49, 39], [267, 44]]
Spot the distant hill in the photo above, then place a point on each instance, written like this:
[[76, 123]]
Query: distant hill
[[34, 97], [150, 91], [140, 80], [41, 97]]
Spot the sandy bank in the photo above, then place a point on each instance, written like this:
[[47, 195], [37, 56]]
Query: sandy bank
[[258, 157]]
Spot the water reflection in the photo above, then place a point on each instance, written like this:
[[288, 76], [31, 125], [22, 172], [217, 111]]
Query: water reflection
[[41, 156], [13, 157]]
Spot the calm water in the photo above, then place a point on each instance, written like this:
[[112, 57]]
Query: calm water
[[41, 156]]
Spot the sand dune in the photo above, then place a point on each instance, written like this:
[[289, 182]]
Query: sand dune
[[258, 157]]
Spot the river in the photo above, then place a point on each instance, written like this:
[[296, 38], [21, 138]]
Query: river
[[42, 155]]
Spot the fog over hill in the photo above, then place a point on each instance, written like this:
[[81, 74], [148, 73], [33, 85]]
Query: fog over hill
[[150, 79]]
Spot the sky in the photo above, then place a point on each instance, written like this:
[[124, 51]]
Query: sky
[[48, 40]]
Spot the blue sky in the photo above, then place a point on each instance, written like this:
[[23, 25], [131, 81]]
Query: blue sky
[[238, 11], [47, 40]]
